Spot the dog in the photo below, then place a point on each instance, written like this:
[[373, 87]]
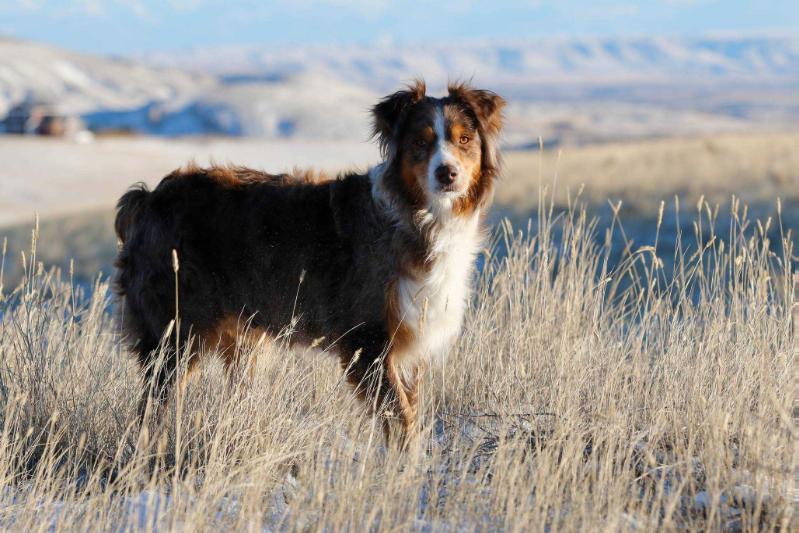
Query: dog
[[375, 267]]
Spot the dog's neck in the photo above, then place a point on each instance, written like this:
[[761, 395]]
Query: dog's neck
[[432, 295], [382, 197]]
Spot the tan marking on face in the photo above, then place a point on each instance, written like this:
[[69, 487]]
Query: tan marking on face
[[454, 165], [439, 139], [446, 151], [468, 150]]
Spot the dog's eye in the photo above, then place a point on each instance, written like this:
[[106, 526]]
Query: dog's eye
[[464, 139], [421, 143]]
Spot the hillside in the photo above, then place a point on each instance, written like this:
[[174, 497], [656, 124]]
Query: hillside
[[524, 64], [567, 91], [82, 83]]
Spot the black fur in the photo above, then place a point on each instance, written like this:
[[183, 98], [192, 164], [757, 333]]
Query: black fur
[[243, 240]]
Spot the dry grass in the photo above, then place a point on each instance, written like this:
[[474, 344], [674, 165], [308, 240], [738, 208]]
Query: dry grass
[[757, 167], [576, 399]]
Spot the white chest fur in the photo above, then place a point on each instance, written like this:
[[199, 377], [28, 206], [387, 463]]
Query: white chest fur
[[433, 303]]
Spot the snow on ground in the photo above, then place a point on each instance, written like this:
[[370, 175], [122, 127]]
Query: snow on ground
[[121, 94], [83, 83], [307, 107]]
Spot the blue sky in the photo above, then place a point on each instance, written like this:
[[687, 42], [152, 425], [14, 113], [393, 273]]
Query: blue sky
[[131, 26]]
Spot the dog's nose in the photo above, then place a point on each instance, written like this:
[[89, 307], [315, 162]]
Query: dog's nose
[[446, 175]]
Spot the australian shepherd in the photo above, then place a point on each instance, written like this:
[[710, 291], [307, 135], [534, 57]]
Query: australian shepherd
[[375, 267]]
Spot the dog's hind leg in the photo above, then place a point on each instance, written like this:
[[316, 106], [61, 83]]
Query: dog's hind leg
[[158, 379], [161, 365], [239, 360], [236, 344], [155, 380], [144, 346]]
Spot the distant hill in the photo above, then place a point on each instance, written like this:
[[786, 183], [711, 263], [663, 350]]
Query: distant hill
[[126, 94], [577, 90], [82, 83], [514, 63]]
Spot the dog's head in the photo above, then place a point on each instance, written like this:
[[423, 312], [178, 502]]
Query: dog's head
[[441, 152]]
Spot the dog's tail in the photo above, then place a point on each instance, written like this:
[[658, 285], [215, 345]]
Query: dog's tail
[[129, 208]]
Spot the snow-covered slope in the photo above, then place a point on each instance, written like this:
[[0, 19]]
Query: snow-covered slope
[[304, 106], [527, 63], [114, 93], [564, 90], [81, 83]]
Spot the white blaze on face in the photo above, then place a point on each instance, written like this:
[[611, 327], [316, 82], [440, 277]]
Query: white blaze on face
[[442, 155]]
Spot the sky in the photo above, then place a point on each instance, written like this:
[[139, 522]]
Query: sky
[[127, 27]]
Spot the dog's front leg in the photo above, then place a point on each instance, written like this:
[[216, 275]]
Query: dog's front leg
[[403, 373]]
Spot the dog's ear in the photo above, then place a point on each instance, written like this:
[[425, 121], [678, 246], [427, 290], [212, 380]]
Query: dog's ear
[[487, 107], [388, 113]]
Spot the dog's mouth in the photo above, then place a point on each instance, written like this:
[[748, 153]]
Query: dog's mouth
[[452, 188]]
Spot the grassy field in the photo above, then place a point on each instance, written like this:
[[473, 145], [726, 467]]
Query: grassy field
[[576, 398], [757, 168]]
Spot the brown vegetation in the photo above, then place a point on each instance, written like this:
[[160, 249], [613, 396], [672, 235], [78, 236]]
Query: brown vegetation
[[755, 167], [578, 402]]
